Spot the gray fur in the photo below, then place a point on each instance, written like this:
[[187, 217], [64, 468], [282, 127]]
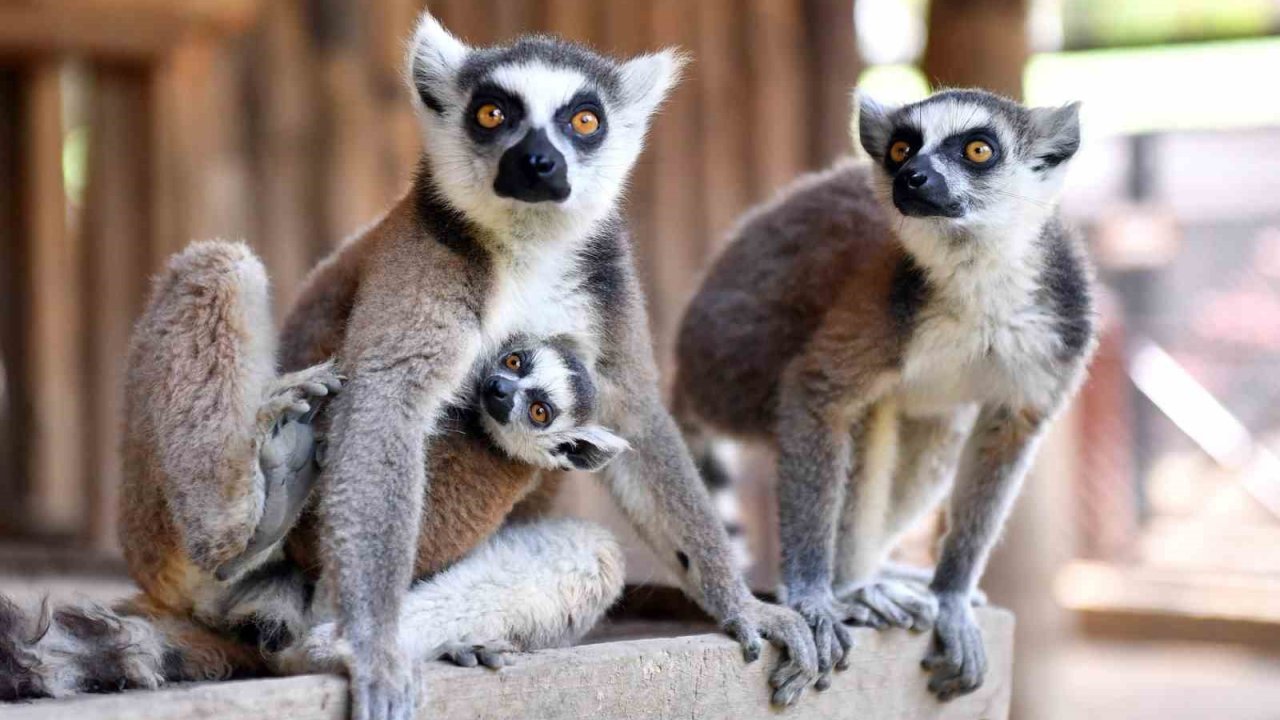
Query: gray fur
[[859, 339]]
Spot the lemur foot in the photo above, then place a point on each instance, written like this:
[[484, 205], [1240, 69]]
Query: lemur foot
[[921, 576], [832, 640], [382, 686], [958, 661], [286, 458], [494, 655], [890, 603], [758, 621]]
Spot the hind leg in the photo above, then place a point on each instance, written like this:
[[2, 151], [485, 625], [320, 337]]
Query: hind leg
[[208, 419], [531, 586]]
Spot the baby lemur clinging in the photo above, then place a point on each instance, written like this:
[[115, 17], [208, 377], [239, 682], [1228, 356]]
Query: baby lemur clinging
[[194, 367], [861, 319]]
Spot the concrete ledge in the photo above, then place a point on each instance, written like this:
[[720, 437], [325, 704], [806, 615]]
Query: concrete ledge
[[700, 676]]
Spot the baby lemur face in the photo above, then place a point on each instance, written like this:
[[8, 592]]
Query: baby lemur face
[[536, 402], [541, 126], [967, 156]]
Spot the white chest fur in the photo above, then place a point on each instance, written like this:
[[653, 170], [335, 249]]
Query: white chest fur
[[538, 292], [985, 335]]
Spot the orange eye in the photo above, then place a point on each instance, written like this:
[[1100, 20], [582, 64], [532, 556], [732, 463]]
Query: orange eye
[[899, 151], [539, 413], [586, 123], [490, 116], [978, 151], [512, 362]]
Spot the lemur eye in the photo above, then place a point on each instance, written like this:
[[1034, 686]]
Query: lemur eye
[[978, 151], [585, 123], [512, 362], [539, 413], [490, 116], [899, 151]]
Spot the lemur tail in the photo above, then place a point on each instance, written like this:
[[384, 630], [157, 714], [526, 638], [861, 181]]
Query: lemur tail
[[87, 648], [714, 469]]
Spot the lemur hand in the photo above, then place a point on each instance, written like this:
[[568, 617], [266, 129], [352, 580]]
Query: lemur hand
[[894, 603], [958, 660], [382, 684], [825, 616], [787, 631]]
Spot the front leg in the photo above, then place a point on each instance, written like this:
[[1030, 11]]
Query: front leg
[[994, 463], [814, 455], [657, 486]]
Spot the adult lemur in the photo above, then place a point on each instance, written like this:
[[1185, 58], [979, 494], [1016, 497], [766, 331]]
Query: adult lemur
[[200, 375], [861, 319], [511, 226]]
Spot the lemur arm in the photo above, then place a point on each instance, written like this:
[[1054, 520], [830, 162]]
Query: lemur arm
[[992, 468], [410, 339], [657, 487]]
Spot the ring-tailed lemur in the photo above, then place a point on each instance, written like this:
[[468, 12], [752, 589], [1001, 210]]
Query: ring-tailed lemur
[[538, 401], [511, 226], [861, 319]]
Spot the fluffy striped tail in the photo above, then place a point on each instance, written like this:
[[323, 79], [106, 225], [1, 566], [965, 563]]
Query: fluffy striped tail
[[714, 468], [88, 648]]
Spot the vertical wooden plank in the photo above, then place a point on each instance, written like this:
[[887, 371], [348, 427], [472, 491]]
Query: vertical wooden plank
[[977, 43], [53, 331], [390, 25], [779, 115], [832, 69], [14, 405], [118, 229], [579, 20], [282, 140], [725, 145]]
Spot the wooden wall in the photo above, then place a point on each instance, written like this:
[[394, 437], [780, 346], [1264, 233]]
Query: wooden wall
[[287, 124]]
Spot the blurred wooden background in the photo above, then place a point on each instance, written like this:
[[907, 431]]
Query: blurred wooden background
[[286, 123]]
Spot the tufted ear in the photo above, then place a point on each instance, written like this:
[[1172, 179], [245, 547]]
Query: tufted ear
[[1057, 135], [588, 448], [435, 57], [647, 79], [871, 124]]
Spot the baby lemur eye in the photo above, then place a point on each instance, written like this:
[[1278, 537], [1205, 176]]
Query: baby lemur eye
[[585, 122], [979, 151], [490, 116], [513, 362], [539, 413], [899, 151]]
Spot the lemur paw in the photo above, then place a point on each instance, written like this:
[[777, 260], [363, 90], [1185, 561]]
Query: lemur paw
[[382, 686], [890, 603], [958, 661], [494, 655], [825, 616], [294, 395], [787, 630]]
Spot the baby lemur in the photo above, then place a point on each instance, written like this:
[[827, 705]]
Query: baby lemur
[[863, 318], [531, 409]]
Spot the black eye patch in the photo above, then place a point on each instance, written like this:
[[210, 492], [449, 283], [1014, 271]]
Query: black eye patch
[[955, 149], [583, 101], [903, 133], [512, 108]]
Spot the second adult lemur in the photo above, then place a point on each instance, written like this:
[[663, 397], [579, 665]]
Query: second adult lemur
[[860, 320]]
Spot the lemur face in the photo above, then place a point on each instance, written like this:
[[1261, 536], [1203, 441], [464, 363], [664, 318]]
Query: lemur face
[[536, 401], [968, 156], [538, 127]]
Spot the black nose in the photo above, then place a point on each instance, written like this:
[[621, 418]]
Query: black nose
[[499, 396], [540, 164], [533, 171], [916, 180], [919, 191]]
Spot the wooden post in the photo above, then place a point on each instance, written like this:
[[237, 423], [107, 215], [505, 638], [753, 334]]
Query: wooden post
[[977, 43]]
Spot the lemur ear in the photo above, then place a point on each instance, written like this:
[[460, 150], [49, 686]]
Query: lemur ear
[[647, 79], [1057, 134], [871, 125], [588, 448], [435, 57]]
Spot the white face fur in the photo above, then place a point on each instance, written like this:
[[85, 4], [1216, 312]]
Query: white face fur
[[536, 401], [965, 172], [489, 113]]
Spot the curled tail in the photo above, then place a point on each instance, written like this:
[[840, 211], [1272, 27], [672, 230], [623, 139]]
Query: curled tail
[[87, 648]]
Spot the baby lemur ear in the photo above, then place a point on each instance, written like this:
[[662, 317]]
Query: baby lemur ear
[[871, 125], [647, 79], [435, 57], [588, 448], [1057, 135]]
